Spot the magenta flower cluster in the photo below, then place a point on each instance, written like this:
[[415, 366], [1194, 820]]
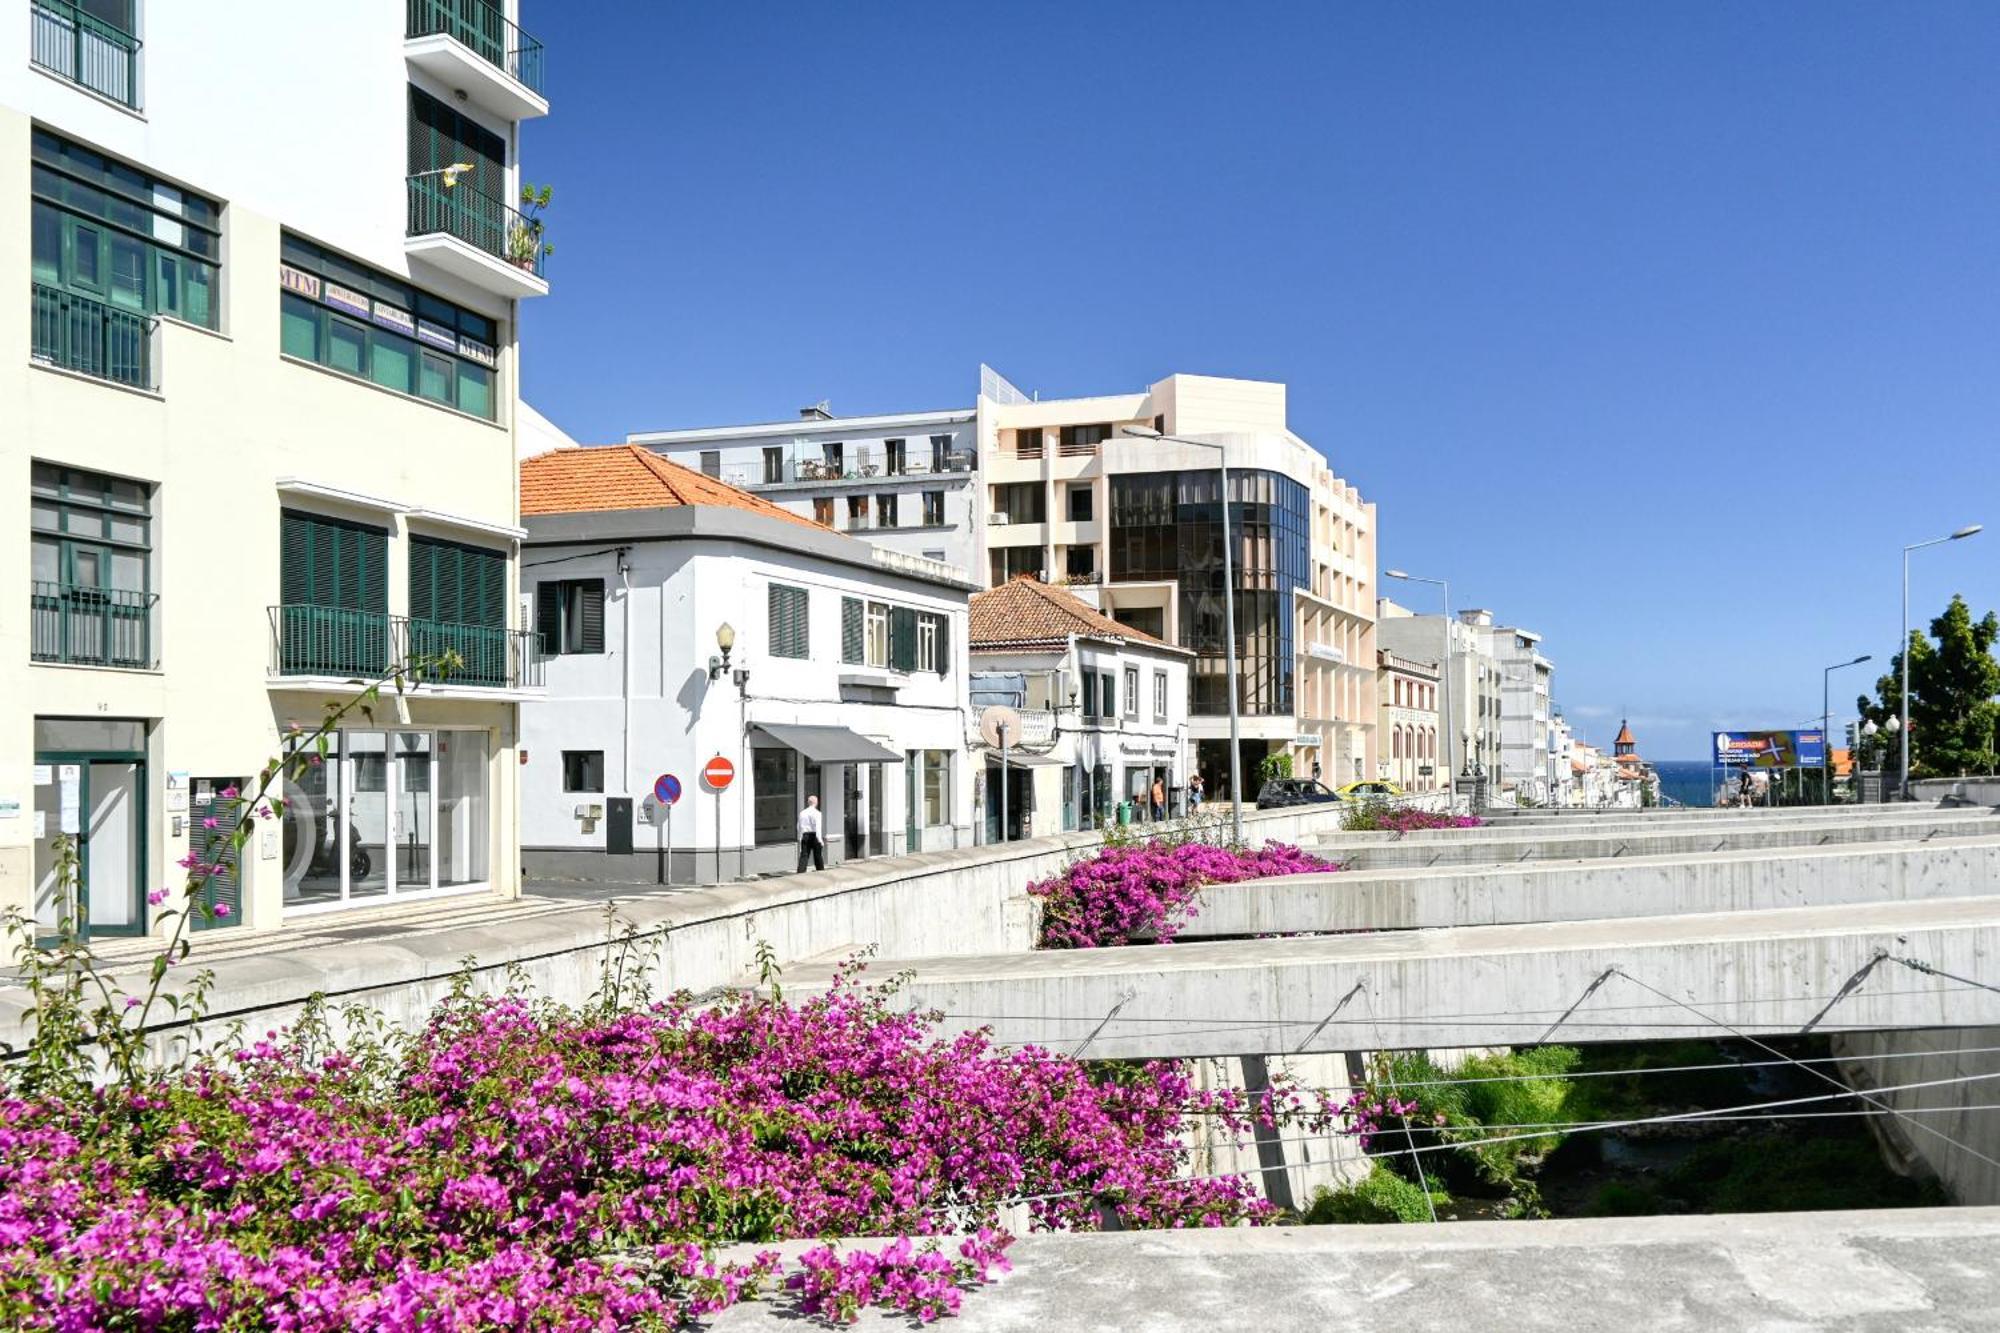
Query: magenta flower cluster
[[1146, 891], [519, 1165], [1401, 819]]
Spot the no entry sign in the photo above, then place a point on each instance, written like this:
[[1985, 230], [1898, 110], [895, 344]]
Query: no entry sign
[[666, 789], [718, 773]]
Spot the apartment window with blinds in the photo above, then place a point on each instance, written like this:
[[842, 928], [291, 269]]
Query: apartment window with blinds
[[569, 615], [933, 509], [458, 605], [333, 580], [711, 463], [789, 635]]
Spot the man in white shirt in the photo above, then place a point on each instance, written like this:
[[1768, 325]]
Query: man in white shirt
[[810, 844]]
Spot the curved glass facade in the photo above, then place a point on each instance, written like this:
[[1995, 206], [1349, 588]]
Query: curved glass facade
[[1169, 526]]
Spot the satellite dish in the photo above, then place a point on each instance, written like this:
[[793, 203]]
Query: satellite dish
[[994, 720]]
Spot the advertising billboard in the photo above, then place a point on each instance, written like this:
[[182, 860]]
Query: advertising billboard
[[1770, 749]]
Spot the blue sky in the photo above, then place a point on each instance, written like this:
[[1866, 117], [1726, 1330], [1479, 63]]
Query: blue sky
[[1656, 328]]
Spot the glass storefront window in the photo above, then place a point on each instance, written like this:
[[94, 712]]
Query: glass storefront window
[[462, 805]]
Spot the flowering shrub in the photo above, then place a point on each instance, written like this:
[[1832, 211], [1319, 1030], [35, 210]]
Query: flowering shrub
[[1381, 817], [522, 1165], [1147, 890]]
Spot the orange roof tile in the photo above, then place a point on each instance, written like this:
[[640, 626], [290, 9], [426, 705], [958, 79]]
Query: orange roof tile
[[1026, 613], [626, 476]]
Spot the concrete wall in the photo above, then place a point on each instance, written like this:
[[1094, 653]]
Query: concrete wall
[[1945, 1116]]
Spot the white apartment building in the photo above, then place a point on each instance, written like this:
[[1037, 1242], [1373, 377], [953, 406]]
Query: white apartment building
[[1526, 710], [1408, 729], [688, 622], [1102, 708], [1472, 695], [260, 413], [906, 482]]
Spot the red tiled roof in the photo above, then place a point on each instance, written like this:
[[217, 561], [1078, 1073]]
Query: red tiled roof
[[1624, 735], [1027, 613], [626, 476]]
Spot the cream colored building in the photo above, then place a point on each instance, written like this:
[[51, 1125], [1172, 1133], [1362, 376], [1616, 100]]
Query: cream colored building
[[1411, 746], [1075, 494], [260, 423]]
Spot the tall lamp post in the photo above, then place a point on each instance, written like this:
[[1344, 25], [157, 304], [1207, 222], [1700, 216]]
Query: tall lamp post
[[1969, 530], [1450, 655], [1826, 722], [1228, 621]]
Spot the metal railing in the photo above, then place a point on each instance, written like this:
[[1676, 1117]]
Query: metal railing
[[486, 31], [81, 626], [92, 338], [87, 51], [860, 467], [476, 218], [340, 641]]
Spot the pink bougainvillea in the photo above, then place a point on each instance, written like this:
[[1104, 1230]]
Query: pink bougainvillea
[[1402, 819], [1146, 891]]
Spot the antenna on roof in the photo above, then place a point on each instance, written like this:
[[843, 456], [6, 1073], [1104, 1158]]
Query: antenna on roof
[[819, 411]]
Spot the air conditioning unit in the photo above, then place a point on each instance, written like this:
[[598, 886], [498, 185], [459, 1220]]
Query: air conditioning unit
[[996, 518]]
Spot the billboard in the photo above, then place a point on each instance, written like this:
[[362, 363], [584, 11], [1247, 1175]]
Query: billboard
[[1770, 749]]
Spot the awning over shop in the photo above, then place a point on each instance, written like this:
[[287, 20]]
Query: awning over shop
[[826, 745]]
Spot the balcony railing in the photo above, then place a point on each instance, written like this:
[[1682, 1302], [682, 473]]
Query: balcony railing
[[475, 217], [87, 51], [486, 31], [339, 641], [92, 338], [861, 466], [81, 626]]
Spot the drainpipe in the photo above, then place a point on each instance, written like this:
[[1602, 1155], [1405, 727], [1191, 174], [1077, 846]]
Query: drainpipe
[[625, 674]]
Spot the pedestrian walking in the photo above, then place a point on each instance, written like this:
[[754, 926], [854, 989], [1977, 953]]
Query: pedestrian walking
[[1197, 791], [1159, 800], [811, 845]]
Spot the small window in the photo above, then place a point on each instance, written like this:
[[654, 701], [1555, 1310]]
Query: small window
[[569, 615], [1109, 684], [711, 463], [774, 464], [1132, 692], [583, 770], [933, 509], [1159, 696], [1079, 502], [1080, 562], [789, 635], [878, 634], [823, 510], [928, 635], [885, 511], [898, 457]]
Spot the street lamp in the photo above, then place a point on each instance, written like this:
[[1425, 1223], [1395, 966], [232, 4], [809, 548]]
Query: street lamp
[[1826, 722], [1228, 621], [1969, 530], [1450, 655]]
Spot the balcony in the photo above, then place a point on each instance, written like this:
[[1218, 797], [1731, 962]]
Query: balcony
[[862, 465], [471, 235], [342, 643], [472, 46], [79, 626], [87, 51], [91, 338]]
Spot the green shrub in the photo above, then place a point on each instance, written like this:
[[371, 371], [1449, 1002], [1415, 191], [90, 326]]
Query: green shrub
[[1379, 1196]]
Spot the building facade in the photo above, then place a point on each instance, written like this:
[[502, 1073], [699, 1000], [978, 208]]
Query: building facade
[[906, 482], [1473, 693], [1407, 730], [1527, 681], [261, 405], [1102, 709], [689, 622]]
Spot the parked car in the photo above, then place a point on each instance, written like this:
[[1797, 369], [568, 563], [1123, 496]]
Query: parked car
[[1281, 792], [1362, 791]]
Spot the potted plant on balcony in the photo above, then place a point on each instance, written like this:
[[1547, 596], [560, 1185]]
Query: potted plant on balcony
[[525, 246]]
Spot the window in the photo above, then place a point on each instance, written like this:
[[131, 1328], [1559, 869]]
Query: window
[[902, 638], [885, 511], [569, 615], [1079, 501], [937, 788], [789, 637], [1082, 439], [1011, 561], [774, 794], [774, 464], [823, 510], [333, 581], [347, 317], [1088, 696], [857, 512], [1109, 683], [852, 649], [934, 555], [897, 452], [1132, 692], [833, 455], [1028, 443], [458, 603], [583, 770], [933, 509], [940, 452], [878, 634], [711, 463], [1080, 562], [931, 639], [90, 593], [1159, 696], [1020, 502]]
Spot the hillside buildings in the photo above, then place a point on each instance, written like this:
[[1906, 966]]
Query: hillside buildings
[[688, 622], [1102, 709], [1081, 493], [260, 401]]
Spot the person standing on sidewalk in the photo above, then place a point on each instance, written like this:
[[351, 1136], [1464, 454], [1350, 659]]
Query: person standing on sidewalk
[[811, 845]]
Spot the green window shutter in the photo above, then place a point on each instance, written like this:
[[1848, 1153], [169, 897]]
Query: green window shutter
[[788, 627], [944, 645], [423, 579], [371, 557], [593, 616], [850, 630], [548, 615], [903, 638], [486, 589], [294, 558]]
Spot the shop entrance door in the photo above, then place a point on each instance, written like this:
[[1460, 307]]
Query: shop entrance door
[[98, 800]]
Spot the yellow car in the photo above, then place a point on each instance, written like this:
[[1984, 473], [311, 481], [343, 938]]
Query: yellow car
[[1361, 791]]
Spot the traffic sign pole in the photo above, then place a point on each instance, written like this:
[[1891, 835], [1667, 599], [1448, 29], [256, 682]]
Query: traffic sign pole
[[666, 791]]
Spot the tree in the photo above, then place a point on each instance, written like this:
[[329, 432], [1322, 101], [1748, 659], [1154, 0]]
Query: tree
[[1953, 711]]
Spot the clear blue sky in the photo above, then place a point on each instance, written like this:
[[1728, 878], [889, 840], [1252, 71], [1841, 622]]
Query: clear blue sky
[[1657, 328]]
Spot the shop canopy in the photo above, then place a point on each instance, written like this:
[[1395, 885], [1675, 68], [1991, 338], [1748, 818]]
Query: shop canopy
[[825, 745]]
